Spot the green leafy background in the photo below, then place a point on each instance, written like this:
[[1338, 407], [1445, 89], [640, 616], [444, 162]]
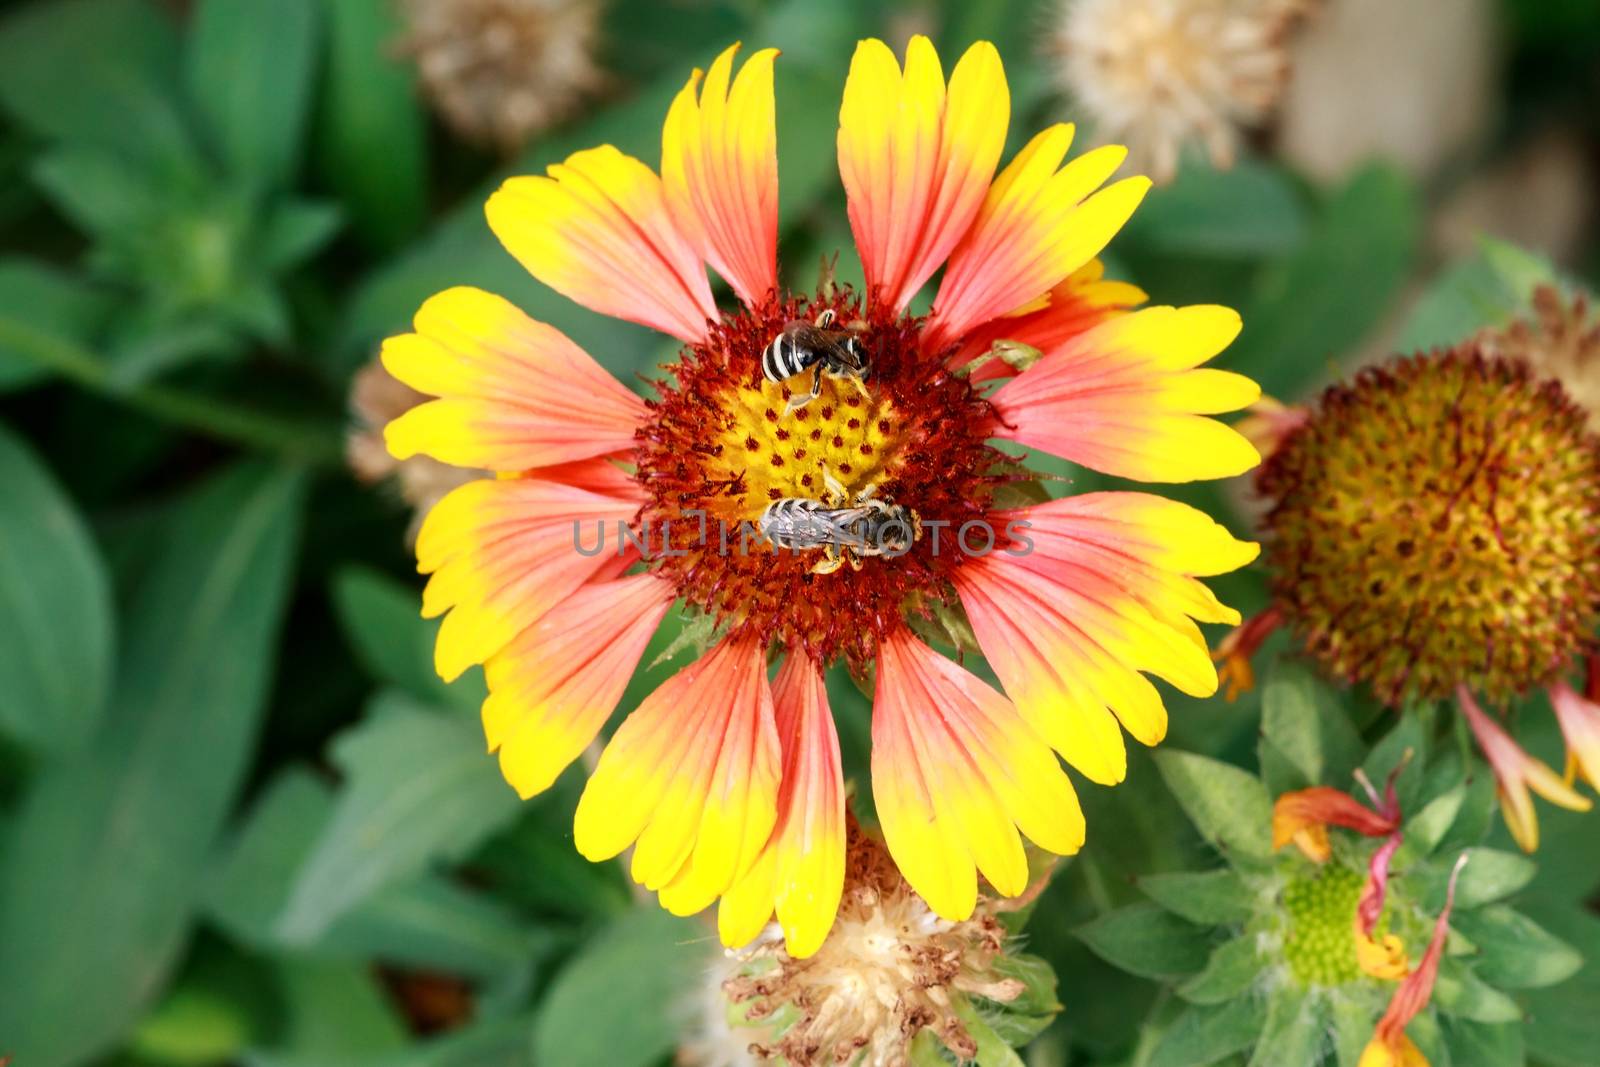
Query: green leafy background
[[241, 822]]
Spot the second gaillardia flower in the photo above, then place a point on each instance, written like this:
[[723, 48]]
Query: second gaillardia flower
[[868, 422]]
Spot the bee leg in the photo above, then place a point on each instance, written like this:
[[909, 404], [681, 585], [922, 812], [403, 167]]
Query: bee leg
[[798, 402], [831, 561], [867, 494], [825, 319], [838, 495], [861, 387], [855, 562]]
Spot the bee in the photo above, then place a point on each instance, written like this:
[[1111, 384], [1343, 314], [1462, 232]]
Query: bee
[[815, 347], [845, 532]]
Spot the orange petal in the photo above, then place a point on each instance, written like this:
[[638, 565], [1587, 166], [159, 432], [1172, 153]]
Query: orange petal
[[956, 772], [1040, 222], [598, 231], [1078, 304], [1103, 588], [554, 685], [719, 167], [501, 553], [513, 393], [1125, 398], [692, 777], [802, 873], [916, 158], [1311, 810]]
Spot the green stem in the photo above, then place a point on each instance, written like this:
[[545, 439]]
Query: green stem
[[300, 440]]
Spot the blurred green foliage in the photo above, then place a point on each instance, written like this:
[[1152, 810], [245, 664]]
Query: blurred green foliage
[[241, 821]]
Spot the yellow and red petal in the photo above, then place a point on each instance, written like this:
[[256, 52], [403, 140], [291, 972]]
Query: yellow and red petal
[[513, 393], [1078, 304], [690, 779], [719, 169], [1310, 811], [916, 157], [956, 772], [598, 231], [1040, 222], [1517, 775], [801, 872], [1108, 588], [1126, 398], [554, 685], [1579, 719], [502, 552]]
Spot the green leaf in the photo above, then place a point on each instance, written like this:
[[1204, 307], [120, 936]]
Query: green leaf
[[1229, 807], [1207, 1035], [496, 1043], [251, 67], [1563, 1029], [1306, 721], [418, 790], [197, 1025], [99, 191], [1293, 1031], [428, 923], [1514, 952], [1232, 969], [1352, 1023], [615, 1003], [335, 1015], [101, 875], [1250, 210], [1212, 898], [1489, 289], [98, 72], [1322, 301], [1476, 1044], [993, 1051], [55, 608], [382, 618], [1143, 939], [245, 891], [1428, 827], [52, 302], [1392, 749], [296, 230], [1460, 992], [371, 131], [1492, 875], [1021, 1020]]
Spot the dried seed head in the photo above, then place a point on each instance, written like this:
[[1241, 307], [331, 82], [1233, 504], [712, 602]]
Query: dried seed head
[[1561, 340], [889, 969], [1158, 74], [376, 397], [1433, 524], [499, 71]]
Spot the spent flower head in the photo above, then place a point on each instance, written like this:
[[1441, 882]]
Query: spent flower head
[[890, 974]]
